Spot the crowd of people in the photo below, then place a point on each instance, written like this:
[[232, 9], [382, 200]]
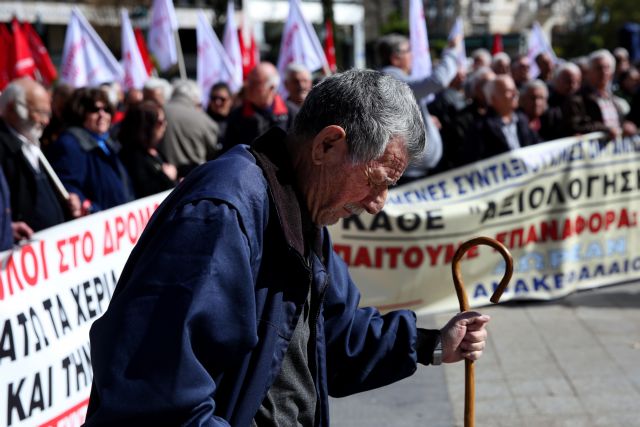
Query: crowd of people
[[68, 152]]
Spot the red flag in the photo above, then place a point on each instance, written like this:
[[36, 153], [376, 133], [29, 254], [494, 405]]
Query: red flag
[[47, 70], [329, 46], [497, 44], [144, 52], [249, 51], [23, 64], [5, 56]]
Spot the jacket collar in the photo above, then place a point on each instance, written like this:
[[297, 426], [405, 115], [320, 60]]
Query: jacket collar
[[88, 141], [278, 108], [274, 159]]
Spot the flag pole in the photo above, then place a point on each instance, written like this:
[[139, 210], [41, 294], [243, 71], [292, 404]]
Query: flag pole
[[181, 67]]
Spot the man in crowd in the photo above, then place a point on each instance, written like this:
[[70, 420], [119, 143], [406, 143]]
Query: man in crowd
[[297, 82], [545, 122], [545, 64], [262, 108], [456, 137], [520, 68], [503, 128], [233, 308], [566, 83], [501, 63], [191, 137], [25, 107], [481, 59], [396, 60], [595, 108], [158, 90]]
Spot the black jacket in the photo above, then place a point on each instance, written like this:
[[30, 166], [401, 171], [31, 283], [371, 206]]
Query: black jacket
[[22, 183], [485, 139]]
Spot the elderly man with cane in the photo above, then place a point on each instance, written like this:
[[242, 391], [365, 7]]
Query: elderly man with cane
[[233, 309]]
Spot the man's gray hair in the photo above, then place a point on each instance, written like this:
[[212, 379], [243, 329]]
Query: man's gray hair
[[372, 107], [295, 67], [14, 94], [489, 89], [535, 84], [388, 45], [566, 67], [482, 53], [501, 56], [185, 88], [476, 78], [157, 83], [602, 54]]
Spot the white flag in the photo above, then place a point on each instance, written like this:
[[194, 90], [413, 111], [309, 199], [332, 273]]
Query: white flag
[[232, 47], [161, 37], [419, 41], [538, 44], [86, 60], [135, 73], [213, 65], [461, 50], [300, 43]]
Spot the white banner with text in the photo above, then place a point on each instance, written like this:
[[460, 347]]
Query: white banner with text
[[567, 210]]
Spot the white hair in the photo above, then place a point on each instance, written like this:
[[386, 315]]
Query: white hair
[[187, 89], [535, 84], [295, 67], [14, 94], [157, 83], [482, 53], [501, 56], [564, 67], [489, 89], [602, 54]]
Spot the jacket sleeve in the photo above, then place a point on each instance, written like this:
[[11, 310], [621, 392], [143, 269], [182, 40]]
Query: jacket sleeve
[[365, 349], [182, 316], [70, 164], [440, 76]]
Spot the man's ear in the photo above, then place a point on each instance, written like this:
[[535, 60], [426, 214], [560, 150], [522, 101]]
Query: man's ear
[[329, 145]]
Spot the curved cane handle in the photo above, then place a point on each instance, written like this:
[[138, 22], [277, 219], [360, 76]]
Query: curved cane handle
[[469, 367], [457, 276]]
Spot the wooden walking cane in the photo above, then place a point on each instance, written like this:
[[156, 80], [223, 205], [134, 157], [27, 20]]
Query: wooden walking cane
[[469, 367]]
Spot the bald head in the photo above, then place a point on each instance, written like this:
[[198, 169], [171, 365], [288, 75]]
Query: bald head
[[262, 84], [26, 107]]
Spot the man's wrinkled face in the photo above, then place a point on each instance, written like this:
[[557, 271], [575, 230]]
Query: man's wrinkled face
[[534, 102], [298, 85], [402, 58], [347, 189], [568, 83], [38, 104], [260, 91], [505, 96], [600, 73]]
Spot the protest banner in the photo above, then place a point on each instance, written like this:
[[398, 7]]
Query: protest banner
[[566, 209], [51, 290]]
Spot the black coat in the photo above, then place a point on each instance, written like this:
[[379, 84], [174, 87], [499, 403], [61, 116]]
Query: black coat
[[145, 171], [246, 122], [485, 139], [23, 186]]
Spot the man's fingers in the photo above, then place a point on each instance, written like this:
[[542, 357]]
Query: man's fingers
[[467, 347], [476, 336]]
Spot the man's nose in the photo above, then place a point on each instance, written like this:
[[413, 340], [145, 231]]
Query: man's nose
[[375, 201]]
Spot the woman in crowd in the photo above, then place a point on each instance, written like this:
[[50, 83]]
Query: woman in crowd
[[86, 158], [140, 133]]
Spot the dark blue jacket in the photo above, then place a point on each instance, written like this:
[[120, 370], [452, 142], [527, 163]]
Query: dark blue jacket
[[206, 305], [87, 170]]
